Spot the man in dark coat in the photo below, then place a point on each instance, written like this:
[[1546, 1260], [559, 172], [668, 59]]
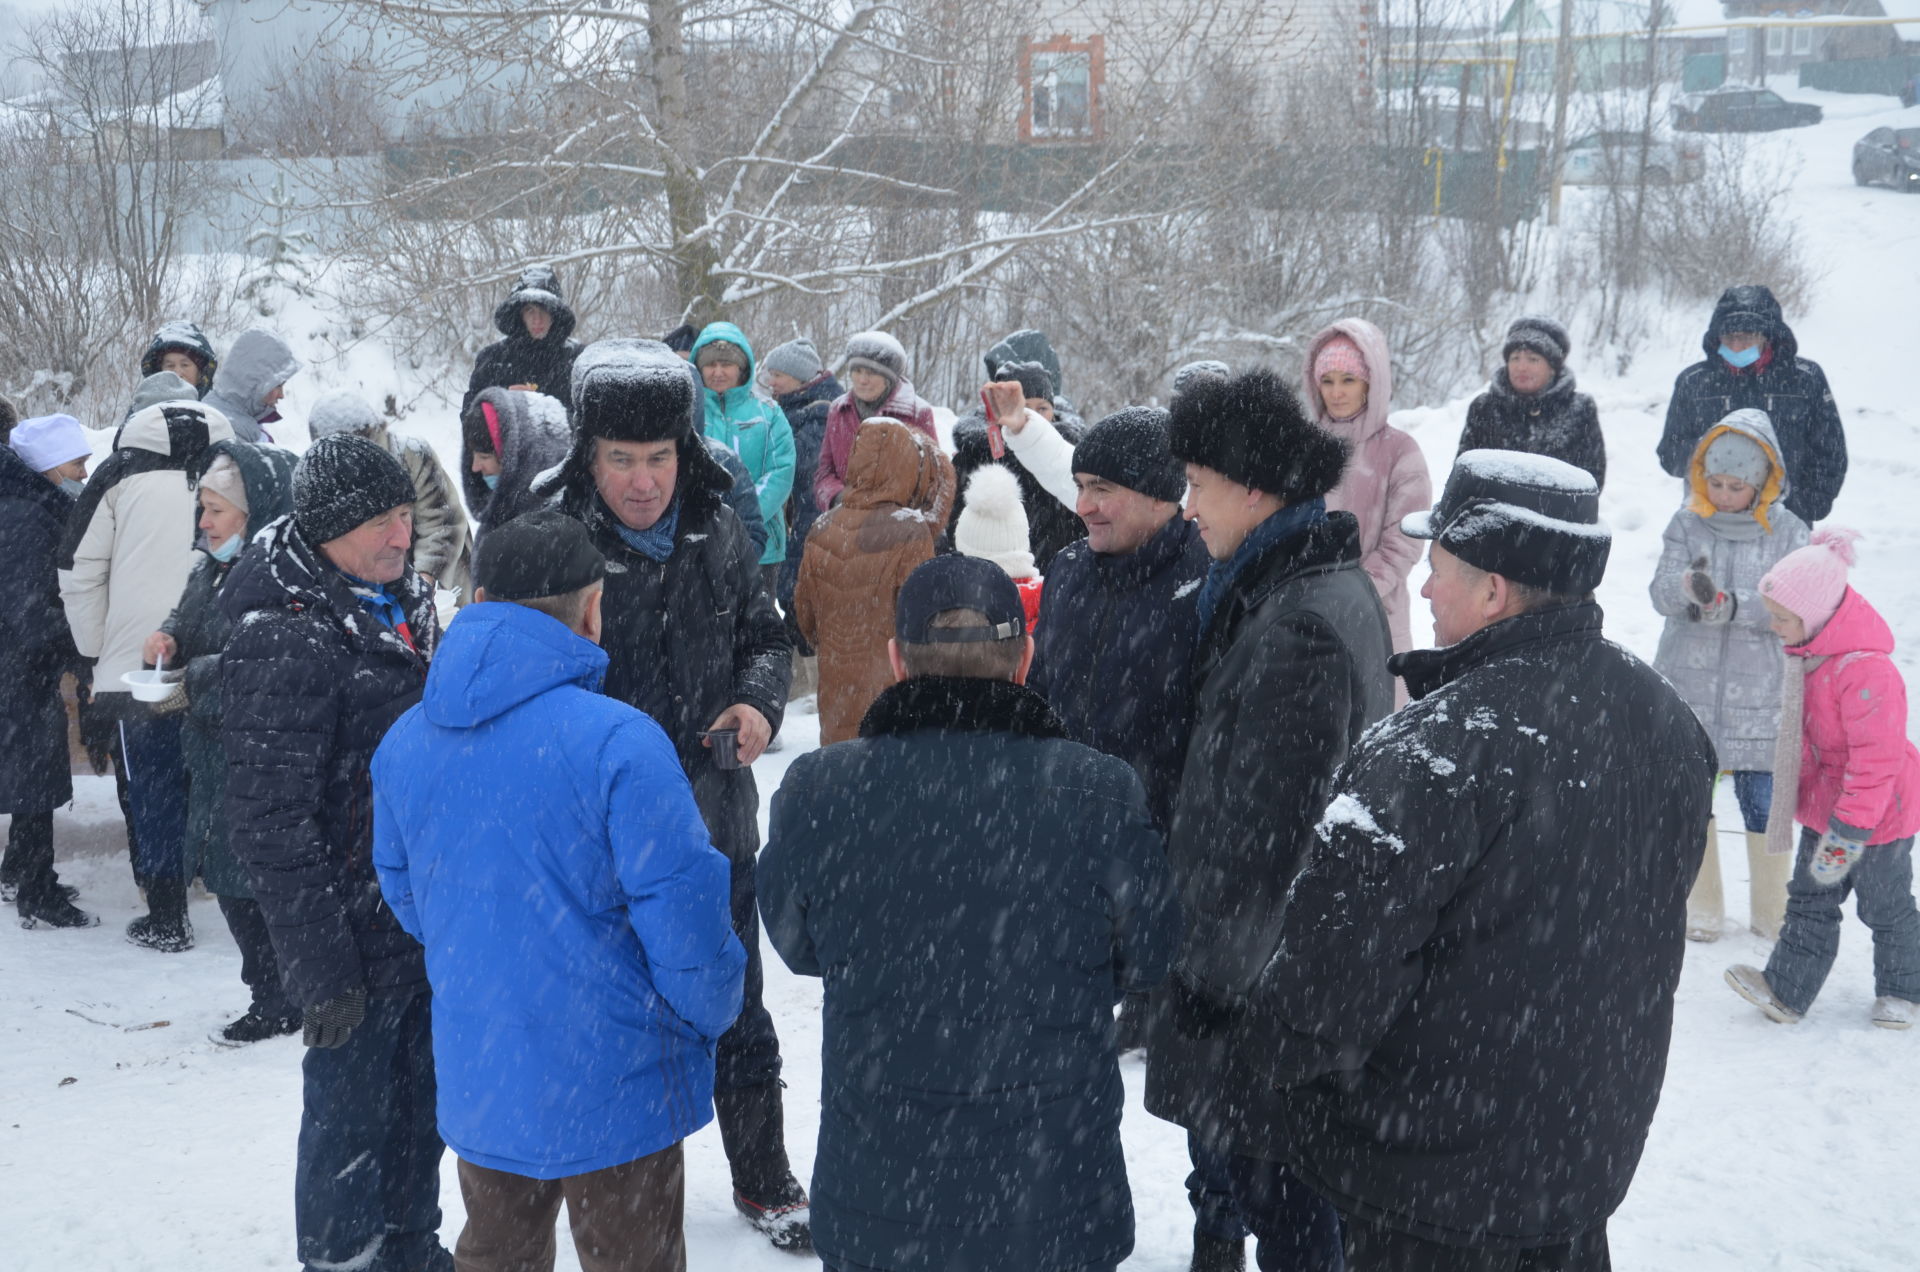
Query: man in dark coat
[[1291, 667], [1533, 404], [538, 352], [1051, 525], [1473, 992], [36, 648], [693, 640], [332, 633], [1753, 362], [973, 950]]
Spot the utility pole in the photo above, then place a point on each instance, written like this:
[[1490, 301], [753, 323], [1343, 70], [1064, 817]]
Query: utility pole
[[1562, 88]]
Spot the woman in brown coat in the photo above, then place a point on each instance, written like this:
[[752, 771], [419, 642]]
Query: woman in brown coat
[[898, 495]]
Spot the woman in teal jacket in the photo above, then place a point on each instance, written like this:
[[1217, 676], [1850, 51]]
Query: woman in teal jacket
[[753, 427]]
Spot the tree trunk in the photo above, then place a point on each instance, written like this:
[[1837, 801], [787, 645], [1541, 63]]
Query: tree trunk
[[694, 258]]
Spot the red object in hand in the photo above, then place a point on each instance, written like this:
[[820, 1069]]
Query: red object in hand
[[995, 441]]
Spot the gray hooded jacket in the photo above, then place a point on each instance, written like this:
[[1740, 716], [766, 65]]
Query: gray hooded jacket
[[1729, 672], [258, 361]]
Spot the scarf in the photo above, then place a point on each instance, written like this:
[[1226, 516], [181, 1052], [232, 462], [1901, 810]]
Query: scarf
[[1736, 527], [381, 605], [1281, 525], [656, 541], [1786, 755]]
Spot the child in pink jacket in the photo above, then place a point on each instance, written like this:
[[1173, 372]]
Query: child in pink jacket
[[1846, 772]]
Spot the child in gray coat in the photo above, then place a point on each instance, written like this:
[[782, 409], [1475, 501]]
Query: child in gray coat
[[1717, 648]]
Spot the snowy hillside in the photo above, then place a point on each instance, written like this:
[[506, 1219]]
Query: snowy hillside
[[1775, 1147]]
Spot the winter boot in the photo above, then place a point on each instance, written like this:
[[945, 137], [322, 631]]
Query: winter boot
[[1217, 1254], [254, 1027], [765, 1192], [1767, 875], [1705, 909], [164, 927], [54, 910], [1751, 984], [1895, 1013]]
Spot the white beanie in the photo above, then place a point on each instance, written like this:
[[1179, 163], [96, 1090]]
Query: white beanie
[[48, 441], [223, 478], [993, 524]]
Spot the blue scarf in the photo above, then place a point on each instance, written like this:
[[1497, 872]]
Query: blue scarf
[[656, 541], [1283, 524], [376, 600]]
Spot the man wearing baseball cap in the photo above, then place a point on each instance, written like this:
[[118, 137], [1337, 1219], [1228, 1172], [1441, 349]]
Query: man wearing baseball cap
[[983, 892], [1473, 990], [541, 841]]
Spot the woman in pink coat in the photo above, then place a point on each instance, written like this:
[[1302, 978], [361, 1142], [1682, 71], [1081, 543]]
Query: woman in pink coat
[[1846, 772], [1349, 387]]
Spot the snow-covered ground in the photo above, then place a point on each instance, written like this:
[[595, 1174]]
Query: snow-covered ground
[[1776, 1148]]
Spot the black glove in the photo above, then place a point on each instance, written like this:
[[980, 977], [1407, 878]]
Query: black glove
[[98, 729], [329, 1023], [1198, 1016]]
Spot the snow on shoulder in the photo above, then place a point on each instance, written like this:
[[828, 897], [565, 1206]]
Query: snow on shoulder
[[1345, 810], [1523, 469]]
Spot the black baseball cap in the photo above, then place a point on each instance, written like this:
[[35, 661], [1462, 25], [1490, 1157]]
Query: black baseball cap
[[950, 582]]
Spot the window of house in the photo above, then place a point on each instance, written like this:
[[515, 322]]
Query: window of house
[[1776, 41], [1802, 40], [1062, 78], [1737, 41]]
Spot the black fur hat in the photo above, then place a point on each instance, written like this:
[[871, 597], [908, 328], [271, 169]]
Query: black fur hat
[[1251, 428], [633, 391]]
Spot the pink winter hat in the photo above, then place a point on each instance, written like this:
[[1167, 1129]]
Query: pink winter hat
[[1810, 582], [1339, 353]]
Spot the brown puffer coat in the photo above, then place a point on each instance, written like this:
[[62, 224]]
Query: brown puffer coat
[[899, 493]]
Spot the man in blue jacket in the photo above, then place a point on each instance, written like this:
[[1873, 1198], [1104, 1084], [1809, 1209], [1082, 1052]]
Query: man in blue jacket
[[974, 927], [577, 940]]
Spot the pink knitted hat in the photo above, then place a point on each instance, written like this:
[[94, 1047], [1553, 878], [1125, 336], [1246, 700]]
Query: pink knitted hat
[[1339, 353], [1810, 582]]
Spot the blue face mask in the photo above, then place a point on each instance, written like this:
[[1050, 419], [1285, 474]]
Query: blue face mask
[[73, 487], [227, 550], [1745, 358], [492, 480]]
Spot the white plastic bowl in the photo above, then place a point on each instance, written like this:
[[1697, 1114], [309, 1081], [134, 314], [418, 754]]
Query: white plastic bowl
[[151, 686]]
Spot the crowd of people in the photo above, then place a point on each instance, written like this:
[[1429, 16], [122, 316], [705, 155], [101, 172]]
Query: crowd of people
[[1125, 744]]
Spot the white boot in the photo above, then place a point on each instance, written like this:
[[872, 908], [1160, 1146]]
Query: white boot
[[1895, 1013], [1705, 908], [1767, 875], [1751, 984]]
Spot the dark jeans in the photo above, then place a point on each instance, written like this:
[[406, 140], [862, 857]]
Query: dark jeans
[[157, 791], [1372, 1248], [367, 1181], [628, 1218], [29, 858], [1755, 793], [1882, 885], [1210, 1189], [749, 1051], [259, 967], [1295, 1229]]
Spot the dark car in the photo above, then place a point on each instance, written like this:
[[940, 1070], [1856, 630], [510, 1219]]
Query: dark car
[[1889, 156], [1736, 109]]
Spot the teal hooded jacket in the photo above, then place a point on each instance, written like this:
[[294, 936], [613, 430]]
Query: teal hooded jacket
[[756, 430]]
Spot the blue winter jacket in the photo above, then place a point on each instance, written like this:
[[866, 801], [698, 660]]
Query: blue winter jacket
[[542, 843], [757, 431]]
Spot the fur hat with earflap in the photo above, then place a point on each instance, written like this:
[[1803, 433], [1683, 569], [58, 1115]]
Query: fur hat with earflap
[[1251, 428], [993, 524]]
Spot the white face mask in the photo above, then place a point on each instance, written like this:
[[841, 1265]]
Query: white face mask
[[227, 550], [73, 487]]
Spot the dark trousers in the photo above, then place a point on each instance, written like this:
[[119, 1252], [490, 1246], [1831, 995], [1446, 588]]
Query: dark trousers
[[367, 1181], [29, 858], [1295, 1229], [749, 1051], [1881, 884], [626, 1218], [157, 792], [259, 966], [1754, 790], [1210, 1189], [1372, 1248]]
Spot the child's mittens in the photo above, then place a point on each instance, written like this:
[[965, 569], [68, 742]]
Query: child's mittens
[[1706, 603], [1833, 858]]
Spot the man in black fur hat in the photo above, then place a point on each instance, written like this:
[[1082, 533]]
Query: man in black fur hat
[[693, 640], [1290, 668]]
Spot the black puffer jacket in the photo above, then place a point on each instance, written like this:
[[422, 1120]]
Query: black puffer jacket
[[1792, 390], [35, 643], [200, 627], [806, 410], [1289, 672], [1558, 421], [1112, 649], [1474, 990], [546, 363], [309, 684], [689, 637]]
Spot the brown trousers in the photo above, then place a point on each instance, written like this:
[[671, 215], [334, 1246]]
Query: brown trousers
[[623, 1219]]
